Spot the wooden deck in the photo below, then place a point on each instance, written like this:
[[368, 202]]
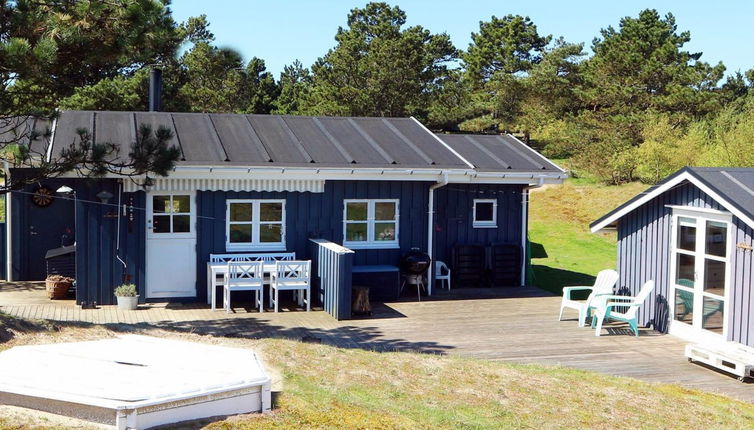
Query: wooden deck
[[514, 325]]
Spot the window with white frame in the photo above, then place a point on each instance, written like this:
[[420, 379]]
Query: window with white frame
[[485, 213], [370, 223], [255, 224]]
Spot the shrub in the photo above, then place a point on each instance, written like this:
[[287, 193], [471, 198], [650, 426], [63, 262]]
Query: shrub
[[126, 290]]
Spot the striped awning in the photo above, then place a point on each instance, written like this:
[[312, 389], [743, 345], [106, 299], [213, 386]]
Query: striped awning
[[173, 184]]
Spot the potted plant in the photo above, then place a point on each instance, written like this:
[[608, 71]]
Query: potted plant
[[128, 297]]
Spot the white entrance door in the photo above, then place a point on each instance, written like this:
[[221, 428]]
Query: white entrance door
[[700, 266], [171, 245]]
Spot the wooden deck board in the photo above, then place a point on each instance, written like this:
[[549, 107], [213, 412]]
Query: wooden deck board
[[494, 324]]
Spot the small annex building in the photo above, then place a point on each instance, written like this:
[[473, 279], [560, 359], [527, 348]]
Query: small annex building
[[692, 234], [269, 183]]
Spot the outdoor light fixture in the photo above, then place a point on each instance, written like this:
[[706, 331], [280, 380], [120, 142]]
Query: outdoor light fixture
[[104, 196], [65, 189]]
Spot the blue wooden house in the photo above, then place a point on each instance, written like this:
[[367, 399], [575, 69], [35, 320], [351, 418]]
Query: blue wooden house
[[692, 234], [267, 183]]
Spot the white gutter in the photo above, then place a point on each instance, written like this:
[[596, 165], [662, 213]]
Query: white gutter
[[400, 174], [8, 229], [525, 225], [430, 229]]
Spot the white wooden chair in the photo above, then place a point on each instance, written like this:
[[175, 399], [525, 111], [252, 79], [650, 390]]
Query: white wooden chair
[[214, 281], [291, 276], [442, 274], [607, 310], [244, 276], [604, 284]]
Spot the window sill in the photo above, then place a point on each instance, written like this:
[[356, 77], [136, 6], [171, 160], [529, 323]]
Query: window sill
[[265, 247], [371, 245], [484, 225]]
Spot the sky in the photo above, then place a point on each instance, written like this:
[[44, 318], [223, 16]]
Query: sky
[[282, 31]]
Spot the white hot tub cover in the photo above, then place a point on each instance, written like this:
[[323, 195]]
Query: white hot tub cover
[[128, 372]]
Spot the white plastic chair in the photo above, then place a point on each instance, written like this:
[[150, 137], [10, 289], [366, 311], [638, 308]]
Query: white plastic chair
[[604, 284], [244, 276], [291, 276], [442, 274], [607, 310]]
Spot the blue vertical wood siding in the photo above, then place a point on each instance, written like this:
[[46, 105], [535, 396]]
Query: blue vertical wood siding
[[308, 215], [453, 220], [98, 271], [36, 229], [644, 243], [319, 216]]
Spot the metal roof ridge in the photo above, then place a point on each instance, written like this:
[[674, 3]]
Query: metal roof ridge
[[408, 142], [371, 141], [261, 147], [177, 136], [296, 140], [489, 153], [343, 151], [217, 136], [536, 152], [443, 143], [519, 152], [94, 128], [54, 126], [737, 182]]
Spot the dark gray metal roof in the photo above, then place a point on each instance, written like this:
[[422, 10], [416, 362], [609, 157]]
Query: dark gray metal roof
[[734, 184], [21, 129], [276, 140], [497, 152]]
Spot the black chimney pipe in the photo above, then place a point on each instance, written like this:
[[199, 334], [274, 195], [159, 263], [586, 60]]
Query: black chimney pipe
[[155, 89]]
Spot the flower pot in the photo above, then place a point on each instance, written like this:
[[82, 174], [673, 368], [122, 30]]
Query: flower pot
[[127, 303], [57, 289]]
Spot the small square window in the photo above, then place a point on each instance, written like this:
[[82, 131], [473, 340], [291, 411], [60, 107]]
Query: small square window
[[485, 213]]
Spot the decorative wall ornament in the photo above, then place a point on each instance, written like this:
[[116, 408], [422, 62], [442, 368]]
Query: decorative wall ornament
[[43, 197]]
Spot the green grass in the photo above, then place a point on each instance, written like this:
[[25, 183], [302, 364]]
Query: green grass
[[559, 222], [323, 387]]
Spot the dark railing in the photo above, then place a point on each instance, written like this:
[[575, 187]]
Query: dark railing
[[331, 275]]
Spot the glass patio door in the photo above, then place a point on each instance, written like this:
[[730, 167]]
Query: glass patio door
[[699, 281]]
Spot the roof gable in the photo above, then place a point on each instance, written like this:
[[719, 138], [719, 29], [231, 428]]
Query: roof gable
[[732, 188]]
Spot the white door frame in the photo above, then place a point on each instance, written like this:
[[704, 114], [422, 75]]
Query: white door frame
[[695, 332], [189, 238]]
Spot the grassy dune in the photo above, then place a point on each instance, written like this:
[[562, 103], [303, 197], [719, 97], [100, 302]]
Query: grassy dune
[[559, 221], [323, 387]]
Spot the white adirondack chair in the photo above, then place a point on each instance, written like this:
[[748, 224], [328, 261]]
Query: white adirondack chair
[[608, 312], [604, 284], [244, 276]]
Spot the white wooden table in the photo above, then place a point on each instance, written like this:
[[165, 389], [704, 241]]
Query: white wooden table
[[216, 269]]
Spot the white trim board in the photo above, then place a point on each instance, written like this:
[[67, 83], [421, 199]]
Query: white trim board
[[685, 176]]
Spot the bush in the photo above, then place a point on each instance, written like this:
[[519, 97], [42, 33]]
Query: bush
[[126, 290]]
